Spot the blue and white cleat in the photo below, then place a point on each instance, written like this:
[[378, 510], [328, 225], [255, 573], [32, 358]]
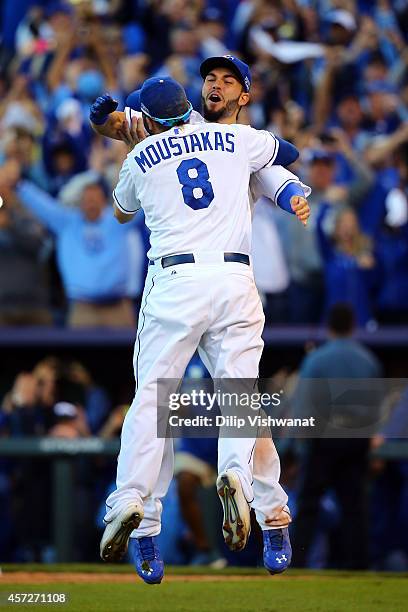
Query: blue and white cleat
[[114, 543], [145, 555], [277, 551], [236, 524]]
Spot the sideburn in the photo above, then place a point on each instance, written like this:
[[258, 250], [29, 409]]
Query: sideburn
[[146, 127]]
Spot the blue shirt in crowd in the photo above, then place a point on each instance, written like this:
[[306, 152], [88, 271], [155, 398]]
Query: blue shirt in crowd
[[345, 280], [392, 251], [93, 257]]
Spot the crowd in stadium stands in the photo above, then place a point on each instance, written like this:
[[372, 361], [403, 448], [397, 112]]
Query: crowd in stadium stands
[[329, 75]]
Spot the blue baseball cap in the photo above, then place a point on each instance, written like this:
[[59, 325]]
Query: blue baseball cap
[[162, 99], [239, 68], [319, 155]]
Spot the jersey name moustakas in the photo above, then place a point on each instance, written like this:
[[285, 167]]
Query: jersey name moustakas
[[174, 146], [192, 184]]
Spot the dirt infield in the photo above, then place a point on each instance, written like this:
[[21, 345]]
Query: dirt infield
[[80, 578]]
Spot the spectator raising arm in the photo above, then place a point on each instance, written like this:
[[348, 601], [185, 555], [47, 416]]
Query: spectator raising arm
[[377, 153], [49, 211], [65, 45], [323, 100], [363, 175]]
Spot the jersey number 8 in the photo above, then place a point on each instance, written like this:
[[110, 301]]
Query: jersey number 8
[[197, 190]]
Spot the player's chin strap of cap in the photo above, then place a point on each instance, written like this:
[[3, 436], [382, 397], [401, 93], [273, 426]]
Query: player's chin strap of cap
[[170, 121]]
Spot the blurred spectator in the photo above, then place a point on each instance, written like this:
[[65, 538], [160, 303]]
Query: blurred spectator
[[315, 67], [93, 254], [94, 398], [18, 108], [90, 74], [132, 72], [212, 33], [337, 463], [306, 293], [70, 421], [349, 115], [113, 425], [389, 494], [382, 107], [392, 250], [24, 414], [24, 249], [20, 144], [196, 467], [29, 406], [183, 63], [349, 264], [66, 145]]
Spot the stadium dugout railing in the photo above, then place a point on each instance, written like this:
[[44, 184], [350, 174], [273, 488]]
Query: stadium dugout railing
[[54, 337]]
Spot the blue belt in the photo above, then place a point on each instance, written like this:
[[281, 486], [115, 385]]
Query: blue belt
[[175, 260]]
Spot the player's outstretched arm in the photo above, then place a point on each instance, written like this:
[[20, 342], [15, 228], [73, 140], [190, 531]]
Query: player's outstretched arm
[[279, 185], [105, 119]]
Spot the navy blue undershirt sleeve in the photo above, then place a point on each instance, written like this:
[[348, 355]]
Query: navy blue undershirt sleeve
[[287, 153]]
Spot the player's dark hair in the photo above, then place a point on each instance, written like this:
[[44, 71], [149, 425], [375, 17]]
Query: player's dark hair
[[341, 319]]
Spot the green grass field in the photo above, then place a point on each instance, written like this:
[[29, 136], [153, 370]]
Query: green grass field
[[204, 590]]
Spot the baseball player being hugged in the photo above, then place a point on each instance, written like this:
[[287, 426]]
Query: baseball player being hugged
[[226, 87], [192, 182]]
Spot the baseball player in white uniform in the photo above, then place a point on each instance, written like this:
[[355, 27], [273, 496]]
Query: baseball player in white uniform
[[200, 237], [225, 91]]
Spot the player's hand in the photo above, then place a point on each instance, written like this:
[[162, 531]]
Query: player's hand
[[133, 134], [301, 208], [101, 108], [281, 518]]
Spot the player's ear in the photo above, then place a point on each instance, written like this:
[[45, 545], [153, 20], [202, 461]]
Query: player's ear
[[148, 124], [243, 99]]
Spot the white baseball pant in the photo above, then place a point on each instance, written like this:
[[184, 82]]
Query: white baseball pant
[[214, 306]]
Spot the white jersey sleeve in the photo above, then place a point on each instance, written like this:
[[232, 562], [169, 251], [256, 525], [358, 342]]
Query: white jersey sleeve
[[130, 113], [124, 194], [262, 147], [270, 182]]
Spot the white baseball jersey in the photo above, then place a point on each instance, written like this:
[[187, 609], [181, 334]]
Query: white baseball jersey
[[192, 183], [269, 182]]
